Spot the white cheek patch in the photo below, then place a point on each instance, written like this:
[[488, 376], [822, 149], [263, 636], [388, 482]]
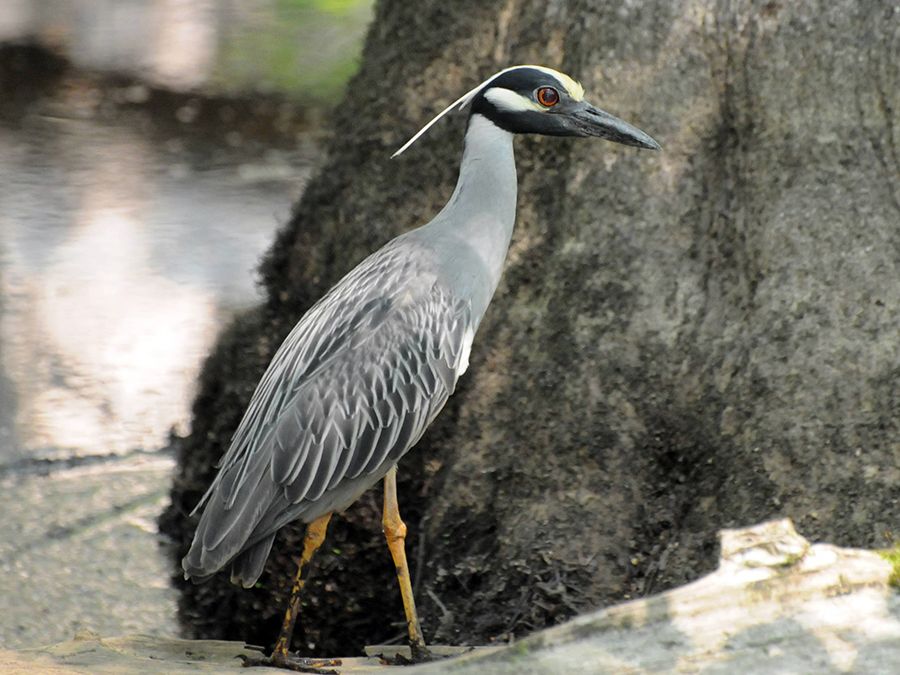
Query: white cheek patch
[[507, 99], [463, 365]]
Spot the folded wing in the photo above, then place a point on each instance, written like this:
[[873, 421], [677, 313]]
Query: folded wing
[[352, 388]]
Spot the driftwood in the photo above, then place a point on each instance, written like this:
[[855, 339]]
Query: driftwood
[[776, 604]]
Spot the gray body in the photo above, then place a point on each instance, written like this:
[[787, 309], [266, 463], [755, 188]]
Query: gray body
[[364, 372], [362, 375]]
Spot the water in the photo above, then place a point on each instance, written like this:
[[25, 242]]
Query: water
[[131, 225], [120, 258]]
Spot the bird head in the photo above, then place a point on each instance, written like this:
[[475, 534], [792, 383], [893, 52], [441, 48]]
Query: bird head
[[539, 100]]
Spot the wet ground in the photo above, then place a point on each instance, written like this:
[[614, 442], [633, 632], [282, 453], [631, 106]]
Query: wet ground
[[131, 223]]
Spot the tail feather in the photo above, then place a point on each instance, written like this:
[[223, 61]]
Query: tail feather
[[249, 564], [224, 533]]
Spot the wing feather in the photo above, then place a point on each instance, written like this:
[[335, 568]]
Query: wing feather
[[366, 443], [352, 388]]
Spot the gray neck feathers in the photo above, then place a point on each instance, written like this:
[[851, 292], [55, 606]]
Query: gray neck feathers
[[475, 227]]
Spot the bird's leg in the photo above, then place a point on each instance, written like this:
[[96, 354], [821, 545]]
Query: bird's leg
[[315, 535], [395, 533]]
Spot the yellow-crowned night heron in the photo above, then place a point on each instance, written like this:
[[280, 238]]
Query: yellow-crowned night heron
[[366, 370]]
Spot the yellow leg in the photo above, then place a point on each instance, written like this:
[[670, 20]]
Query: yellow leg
[[315, 535], [395, 533]]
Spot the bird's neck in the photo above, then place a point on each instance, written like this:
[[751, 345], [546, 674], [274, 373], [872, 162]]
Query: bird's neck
[[477, 222], [484, 201]]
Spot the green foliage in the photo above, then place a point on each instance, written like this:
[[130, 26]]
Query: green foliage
[[307, 49], [335, 7], [892, 555]]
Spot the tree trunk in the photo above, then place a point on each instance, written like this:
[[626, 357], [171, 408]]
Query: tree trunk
[[687, 340]]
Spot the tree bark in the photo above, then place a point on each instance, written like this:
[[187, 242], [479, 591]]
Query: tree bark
[[699, 338]]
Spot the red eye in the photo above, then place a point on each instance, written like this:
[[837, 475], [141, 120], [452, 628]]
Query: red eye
[[548, 96]]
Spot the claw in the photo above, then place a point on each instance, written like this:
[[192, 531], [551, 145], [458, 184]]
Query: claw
[[298, 664]]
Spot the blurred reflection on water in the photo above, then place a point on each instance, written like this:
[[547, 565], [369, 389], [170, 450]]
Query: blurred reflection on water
[[121, 255]]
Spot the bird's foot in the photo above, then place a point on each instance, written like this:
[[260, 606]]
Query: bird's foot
[[298, 664], [418, 654], [402, 660]]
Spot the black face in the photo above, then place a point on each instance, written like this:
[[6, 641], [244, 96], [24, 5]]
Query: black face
[[531, 101], [542, 90]]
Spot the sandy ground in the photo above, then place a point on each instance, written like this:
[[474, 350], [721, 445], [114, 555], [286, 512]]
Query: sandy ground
[[79, 550]]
